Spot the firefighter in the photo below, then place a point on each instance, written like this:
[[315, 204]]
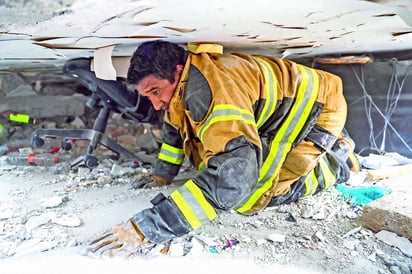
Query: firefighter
[[260, 130]]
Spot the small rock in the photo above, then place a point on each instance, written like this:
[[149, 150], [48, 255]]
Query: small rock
[[307, 213], [350, 244], [261, 241], [197, 247], [320, 215], [320, 236], [37, 221], [277, 238], [351, 215], [83, 171], [67, 220], [291, 219], [391, 238], [118, 171], [77, 123], [71, 243], [176, 249], [207, 240], [283, 209], [6, 214], [404, 268], [372, 257], [257, 223], [352, 231], [51, 202], [394, 269], [104, 180]]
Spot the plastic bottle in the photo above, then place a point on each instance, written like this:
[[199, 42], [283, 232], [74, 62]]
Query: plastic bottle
[[24, 159]]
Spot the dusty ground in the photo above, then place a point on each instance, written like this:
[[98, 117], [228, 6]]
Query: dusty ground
[[44, 210], [48, 214]]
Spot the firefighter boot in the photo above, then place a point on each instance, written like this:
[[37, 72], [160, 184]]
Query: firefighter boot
[[344, 149]]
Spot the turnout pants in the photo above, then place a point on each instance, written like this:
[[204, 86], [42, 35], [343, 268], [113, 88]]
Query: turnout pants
[[311, 167]]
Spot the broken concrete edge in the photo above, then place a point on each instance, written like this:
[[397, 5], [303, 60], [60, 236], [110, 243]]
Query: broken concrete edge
[[378, 219], [38, 106], [391, 212]]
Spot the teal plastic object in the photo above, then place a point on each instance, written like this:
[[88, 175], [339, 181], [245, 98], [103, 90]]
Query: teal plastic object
[[362, 195]]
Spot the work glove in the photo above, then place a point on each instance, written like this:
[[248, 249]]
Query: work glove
[[125, 240], [148, 180]]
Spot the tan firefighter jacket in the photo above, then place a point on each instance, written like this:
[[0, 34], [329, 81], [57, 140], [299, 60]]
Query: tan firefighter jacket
[[222, 110]]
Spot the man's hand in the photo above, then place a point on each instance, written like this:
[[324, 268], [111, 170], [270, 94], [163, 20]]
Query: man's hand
[[148, 180], [123, 241]]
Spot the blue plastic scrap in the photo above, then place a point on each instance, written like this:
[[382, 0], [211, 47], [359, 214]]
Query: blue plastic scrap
[[362, 195]]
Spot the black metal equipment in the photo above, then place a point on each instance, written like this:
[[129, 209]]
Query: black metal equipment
[[109, 96]]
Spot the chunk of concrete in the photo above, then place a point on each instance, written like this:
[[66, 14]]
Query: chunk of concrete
[[45, 106], [392, 212], [10, 81]]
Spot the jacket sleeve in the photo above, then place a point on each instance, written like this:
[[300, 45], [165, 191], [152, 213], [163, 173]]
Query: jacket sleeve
[[227, 180], [171, 155]]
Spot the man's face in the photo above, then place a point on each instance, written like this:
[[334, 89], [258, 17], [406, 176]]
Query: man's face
[[159, 91]]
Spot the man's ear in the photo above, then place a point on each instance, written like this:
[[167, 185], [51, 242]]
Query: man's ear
[[179, 68]]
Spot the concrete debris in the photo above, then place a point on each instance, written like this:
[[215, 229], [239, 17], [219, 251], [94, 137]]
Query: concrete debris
[[36, 221], [276, 238], [35, 105], [350, 244], [118, 171], [260, 242], [67, 220], [392, 239], [393, 212], [352, 232], [176, 249], [32, 246], [197, 248], [51, 202], [320, 215], [6, 214], [44, 208]]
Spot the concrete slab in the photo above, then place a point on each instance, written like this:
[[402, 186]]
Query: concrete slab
[[393, 212], [45, 106]]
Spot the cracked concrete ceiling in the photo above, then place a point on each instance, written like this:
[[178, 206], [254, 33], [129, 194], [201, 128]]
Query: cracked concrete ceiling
[[48, 32]]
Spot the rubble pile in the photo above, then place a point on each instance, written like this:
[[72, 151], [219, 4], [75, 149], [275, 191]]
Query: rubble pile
[[46, 211], [54, 207]]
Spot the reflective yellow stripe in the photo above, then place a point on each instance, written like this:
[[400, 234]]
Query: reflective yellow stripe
[[185, 209], [308, 184], [222, 113], [171, 154], [201, 165], [284, 138], [193, 204], [200, 198], [311, 183], [328, 176], [270, 92]]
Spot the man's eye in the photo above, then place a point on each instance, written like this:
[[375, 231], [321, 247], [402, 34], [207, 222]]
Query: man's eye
[[156, 92]]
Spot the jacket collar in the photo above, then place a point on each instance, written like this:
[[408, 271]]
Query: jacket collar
[[174, 115]]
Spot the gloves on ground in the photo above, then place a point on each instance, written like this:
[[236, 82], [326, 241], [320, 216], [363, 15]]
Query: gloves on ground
[[123, 241], [148, 180]]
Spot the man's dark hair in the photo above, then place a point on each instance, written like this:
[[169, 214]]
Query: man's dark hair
[[158, 58]]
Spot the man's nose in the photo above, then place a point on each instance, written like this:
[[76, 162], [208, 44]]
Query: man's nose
[[157, 104]]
